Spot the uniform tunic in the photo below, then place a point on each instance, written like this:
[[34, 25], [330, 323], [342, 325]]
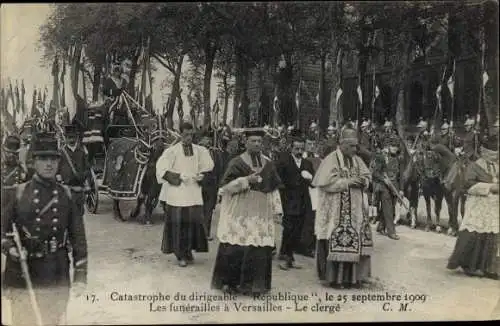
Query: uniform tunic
[[44, 214]]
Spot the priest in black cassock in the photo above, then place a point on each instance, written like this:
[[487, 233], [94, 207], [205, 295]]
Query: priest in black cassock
[[250, 200]]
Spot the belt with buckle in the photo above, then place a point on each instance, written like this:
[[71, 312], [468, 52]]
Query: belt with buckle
[[47, 250]]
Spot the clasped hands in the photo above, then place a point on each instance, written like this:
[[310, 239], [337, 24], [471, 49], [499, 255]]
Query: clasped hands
[[356, 182], [254, 178], [191, 178]]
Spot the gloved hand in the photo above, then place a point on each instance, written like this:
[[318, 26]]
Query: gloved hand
[[14, 253], [306, 175]]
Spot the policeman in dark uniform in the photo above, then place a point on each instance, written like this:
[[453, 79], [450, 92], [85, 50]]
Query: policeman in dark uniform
[[48, 222], [387, 167], [13, 172], [74, 166]]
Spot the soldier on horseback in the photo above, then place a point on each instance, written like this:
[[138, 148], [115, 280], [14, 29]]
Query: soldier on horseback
[[471, 139]]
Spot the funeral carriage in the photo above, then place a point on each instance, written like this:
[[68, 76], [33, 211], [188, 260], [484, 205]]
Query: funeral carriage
[[123, 153]]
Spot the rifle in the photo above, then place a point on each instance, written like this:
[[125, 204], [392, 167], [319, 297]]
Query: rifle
[[26, 274], [395, 192]]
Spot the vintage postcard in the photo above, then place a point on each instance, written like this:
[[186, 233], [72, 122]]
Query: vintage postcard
[[267, 162]]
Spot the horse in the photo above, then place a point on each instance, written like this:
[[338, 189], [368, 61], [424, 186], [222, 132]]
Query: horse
[[150, 188], [449, 164], [411, 187]]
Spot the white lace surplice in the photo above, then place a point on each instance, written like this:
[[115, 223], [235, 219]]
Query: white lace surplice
[[481, 208], [246, 216]]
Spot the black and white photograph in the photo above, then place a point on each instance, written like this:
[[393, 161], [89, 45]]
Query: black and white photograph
[[249, 162]]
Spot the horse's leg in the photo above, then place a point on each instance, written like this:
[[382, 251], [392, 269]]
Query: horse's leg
[[452, 199], [413, 205], [137, 209], [117, 214], [439, 193], [463, 198], [427, 198]]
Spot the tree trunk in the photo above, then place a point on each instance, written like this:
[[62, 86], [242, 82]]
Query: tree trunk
[[133, 73], [173, 95], [226, 99], [287, 114], [324, 109], [238, 89], [210, 50], [400, 90], [362, 66], [96, 82]]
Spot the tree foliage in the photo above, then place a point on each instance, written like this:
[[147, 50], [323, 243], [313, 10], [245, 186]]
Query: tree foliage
[[228, 40]]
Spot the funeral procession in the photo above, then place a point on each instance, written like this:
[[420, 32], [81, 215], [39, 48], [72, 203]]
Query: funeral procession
[[167, 163]]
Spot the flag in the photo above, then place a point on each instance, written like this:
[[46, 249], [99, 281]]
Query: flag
[[297, 96], [147, 89], [377, 92], [18, 117], [7, 119], [76, 110], [276, 104], [360, 94], [63, 89], [54, 108], [451, 82], [438, 96], [215, 110], [23, 103], [485, 78]]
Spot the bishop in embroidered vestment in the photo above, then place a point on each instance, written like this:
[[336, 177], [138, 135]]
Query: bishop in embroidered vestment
[[341, 227]]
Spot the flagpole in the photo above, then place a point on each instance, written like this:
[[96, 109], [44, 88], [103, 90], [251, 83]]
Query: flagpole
[[358, 107], [374, 86], [481, 83], [452, 91]]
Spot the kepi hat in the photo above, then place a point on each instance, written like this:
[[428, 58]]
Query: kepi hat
[[45, 144], [12, 144]]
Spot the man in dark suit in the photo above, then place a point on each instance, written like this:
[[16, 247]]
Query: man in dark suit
[[296, 174]]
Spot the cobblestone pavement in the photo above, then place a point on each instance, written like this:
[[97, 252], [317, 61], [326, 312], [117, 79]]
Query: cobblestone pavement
[[125, 258]]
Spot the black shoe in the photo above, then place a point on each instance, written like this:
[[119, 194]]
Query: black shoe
[[284, 266], [282, 257], [189, 258], [228, 289], [393, 236]]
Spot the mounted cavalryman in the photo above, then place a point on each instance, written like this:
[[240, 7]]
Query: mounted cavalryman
[[13, 172], [471, 139], [74, 166], [48, 224]]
